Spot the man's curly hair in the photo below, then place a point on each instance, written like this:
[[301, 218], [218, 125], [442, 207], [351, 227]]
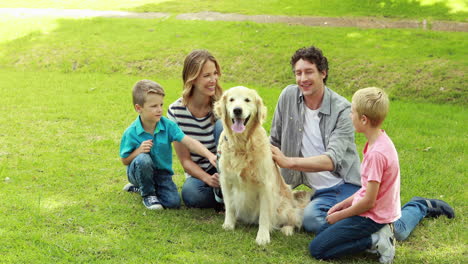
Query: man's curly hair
[[313, 55]]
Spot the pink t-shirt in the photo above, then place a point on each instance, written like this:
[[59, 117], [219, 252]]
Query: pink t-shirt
[[380, 164]]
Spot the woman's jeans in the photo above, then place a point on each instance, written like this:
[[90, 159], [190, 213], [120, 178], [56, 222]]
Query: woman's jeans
[[195, 192], [198, 194], [348, 236], [153, 182]]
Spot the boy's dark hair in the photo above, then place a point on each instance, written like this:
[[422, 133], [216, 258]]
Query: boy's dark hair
[[143, 88], [313, 55]]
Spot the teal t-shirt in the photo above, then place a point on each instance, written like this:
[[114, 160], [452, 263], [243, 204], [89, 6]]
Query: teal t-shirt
[[161, 153]]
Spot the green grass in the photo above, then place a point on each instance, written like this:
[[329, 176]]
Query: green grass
[[66, 86], [77, 4], [423, 66], [63, 202], [415, 9], [429, 9]]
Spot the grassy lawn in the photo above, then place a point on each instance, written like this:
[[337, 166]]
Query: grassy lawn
[[415, 9], [409, 64], [63, 200], [66, 86]]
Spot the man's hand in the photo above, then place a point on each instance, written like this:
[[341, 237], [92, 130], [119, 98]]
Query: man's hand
[[146, 146], [280, 158]]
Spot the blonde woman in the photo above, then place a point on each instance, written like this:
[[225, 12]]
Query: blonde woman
[[193, 112]]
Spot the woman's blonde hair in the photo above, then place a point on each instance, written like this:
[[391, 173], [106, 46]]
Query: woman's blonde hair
[[373, 103], [193, 65]]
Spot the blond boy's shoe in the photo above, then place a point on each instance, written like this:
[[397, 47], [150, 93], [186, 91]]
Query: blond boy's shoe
[[386, 244]]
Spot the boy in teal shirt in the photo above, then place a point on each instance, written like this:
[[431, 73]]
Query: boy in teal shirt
[[146, 148]]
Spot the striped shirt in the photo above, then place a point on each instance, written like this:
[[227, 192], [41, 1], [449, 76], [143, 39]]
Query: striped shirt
[[200, 129]]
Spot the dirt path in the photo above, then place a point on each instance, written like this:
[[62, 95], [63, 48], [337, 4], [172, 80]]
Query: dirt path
[[361, 22]]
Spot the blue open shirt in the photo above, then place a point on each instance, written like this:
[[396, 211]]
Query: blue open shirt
[[161, 153]]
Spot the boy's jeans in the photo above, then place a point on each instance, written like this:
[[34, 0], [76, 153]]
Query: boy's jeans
[[411, 214], [350, 235], [151, 181], [324, 199]]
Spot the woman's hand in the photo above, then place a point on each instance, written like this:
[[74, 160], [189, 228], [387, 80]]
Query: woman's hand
[[213, 180]]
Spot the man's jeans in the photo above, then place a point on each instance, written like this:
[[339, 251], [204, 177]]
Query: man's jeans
[[141, 173], [324, 199], [350, 235]]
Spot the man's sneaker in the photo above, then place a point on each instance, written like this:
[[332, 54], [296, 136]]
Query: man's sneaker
[[152, 202], [386, 244], [218, 195], [435, 208], [131, 188]]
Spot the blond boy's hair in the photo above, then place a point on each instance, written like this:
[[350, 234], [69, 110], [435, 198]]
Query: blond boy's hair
[[373, 103], [143, 88]]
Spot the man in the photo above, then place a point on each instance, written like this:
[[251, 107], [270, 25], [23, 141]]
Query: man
[[312, 127]]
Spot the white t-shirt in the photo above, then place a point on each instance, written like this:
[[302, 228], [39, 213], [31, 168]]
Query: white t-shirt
[[312, 145]]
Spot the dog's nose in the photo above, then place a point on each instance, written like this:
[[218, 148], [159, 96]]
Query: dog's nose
[[237, 111]]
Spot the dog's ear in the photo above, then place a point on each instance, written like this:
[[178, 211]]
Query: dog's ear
[[261, 109], [220, 110], [218, 107]]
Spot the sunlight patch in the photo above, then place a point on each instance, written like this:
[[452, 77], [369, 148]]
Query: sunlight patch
[[455, 6], [54, 203], [354, 35], [16, 26]]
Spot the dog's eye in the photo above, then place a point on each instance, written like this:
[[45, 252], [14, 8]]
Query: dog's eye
[[231, 100], [247, 100]]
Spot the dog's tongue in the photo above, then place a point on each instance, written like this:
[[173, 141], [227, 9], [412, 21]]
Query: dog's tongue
[[238, 126]]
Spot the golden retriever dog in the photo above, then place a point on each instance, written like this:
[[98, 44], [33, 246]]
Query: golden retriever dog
[[253, 189]]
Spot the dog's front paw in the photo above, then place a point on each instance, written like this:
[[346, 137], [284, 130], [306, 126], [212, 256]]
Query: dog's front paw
[[263, 237], [287, 230], [228, 226]]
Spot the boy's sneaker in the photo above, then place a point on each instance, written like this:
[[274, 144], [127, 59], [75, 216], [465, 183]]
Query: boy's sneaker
[[151, 202], [131, 188], [386, 244], [435, 208], [218, 195]]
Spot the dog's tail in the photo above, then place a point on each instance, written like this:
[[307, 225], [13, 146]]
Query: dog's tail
[[302, 198]]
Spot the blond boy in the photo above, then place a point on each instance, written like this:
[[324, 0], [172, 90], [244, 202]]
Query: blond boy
[[351, 224]]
